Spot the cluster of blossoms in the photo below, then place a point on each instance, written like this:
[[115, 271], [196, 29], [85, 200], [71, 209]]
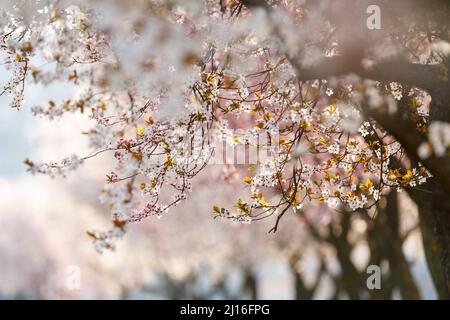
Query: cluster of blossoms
[[159, 83], [319, 155]]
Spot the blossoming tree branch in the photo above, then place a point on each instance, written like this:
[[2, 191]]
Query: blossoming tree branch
[[343, 110]]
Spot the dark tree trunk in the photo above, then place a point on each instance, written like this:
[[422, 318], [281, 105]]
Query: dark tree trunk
[[434, 208], [301, 292], [386, 242], [351, 278], [399, 265], [434, 214], [251, 284]]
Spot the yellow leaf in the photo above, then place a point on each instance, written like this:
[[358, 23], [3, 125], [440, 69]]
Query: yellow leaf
[[373, 144], [304, 125], [27, 47], [19, 58], [91, 234], [264, 201], [329, 176], [260, 125], [241, 205], [119, 223], [367, 185], [331, 108], [234, 105], [140, 131], [248, 180], [35, 72], [408, 176], [169, 162], [216, 209]]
